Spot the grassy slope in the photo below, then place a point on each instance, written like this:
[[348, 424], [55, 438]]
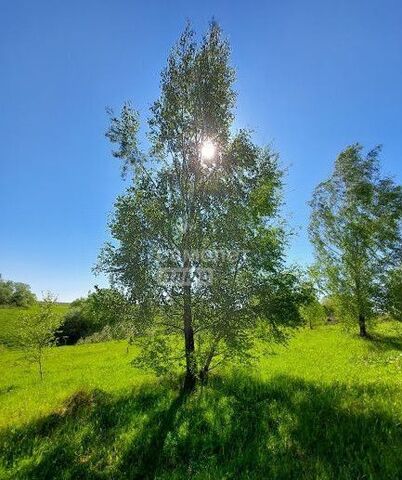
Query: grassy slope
[[9, 319], [327, 407]]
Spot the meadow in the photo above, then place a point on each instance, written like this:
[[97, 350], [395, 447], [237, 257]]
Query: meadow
[[327, 406], [9, 319]]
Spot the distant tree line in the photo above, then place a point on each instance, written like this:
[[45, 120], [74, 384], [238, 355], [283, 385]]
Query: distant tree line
[[15, 294]]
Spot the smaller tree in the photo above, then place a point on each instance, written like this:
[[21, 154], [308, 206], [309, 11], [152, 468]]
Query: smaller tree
[[356, 230], [313, 313], [330, 307], [37, 331]]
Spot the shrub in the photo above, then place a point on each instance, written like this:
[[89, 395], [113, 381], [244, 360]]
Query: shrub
[[92, 315], [105, 335], [75, 325]]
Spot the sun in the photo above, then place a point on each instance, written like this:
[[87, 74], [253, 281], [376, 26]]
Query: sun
[[208, 150]]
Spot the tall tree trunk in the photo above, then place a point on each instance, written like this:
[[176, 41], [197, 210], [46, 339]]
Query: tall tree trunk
[[191, 364], [40, 364], [362, 326], [190, 378]]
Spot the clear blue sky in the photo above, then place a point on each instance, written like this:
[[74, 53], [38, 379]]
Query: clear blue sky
[[313, 77]]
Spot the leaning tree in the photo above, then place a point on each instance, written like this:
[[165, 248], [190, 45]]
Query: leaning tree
[[356, 230], [197, 243]]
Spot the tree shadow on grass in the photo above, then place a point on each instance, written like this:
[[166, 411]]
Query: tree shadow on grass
[[311, 431], [237, 427], [383, 343]]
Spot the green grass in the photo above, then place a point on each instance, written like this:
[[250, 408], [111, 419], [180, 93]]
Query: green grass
[[326, 407], [9, 317]]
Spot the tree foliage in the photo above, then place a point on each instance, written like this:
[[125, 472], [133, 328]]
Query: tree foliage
[[313, 313], [394, 294], [198, 245], [15, 294], [356, 230]]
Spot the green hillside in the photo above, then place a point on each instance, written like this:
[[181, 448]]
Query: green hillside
[[9, 317], [328, 407]]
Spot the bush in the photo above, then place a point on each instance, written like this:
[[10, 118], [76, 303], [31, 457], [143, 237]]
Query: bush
[[75, 325], [105, 335], [92, 316]]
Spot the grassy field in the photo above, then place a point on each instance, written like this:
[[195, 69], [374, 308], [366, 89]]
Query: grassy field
[[9, 319], [326, 407]]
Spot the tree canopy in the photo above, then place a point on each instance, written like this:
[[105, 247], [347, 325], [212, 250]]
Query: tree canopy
[[15, 293], [198, 244], [356, 230]]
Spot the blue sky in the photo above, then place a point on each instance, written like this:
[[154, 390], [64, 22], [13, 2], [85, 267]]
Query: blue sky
[[313, 77]]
